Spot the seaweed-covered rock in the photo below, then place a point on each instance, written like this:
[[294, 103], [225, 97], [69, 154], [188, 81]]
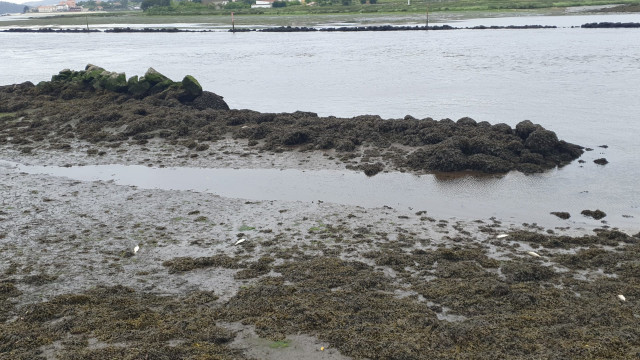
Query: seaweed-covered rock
[[182, 110], [542, 141], [209, 100], [561, 214], [524, 128], [596, 214]]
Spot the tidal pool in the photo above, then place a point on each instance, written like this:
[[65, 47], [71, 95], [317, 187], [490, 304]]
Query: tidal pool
[[514, 197]]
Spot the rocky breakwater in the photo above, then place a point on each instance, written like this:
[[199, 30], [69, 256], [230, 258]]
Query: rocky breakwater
[[107, 109]]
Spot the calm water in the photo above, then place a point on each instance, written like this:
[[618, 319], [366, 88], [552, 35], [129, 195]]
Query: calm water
[[515, 197], [581, 83]]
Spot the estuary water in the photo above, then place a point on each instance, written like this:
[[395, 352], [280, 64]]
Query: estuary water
[[580, 83]]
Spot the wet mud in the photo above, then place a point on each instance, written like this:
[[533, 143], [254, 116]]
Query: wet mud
[[94, 270]]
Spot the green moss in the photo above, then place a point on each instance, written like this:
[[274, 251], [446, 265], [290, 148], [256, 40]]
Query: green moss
[[279, 344], [191, 86]]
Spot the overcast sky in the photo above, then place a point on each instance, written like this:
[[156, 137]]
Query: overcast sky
[[22, 1]]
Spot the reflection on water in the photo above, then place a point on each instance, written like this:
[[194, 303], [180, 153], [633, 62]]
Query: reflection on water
[[513, 197]]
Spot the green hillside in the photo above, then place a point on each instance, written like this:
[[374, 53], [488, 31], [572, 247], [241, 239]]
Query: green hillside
[[10, 8]]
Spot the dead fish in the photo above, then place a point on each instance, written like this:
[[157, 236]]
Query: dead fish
[[240, 241], [622, 298], [533, 253], [135, 249], [502, 236]]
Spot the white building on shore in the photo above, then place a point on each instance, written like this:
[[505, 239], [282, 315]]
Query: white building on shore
[[263, 4]]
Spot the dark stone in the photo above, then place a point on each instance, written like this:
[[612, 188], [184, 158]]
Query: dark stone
[[596, 214], [561, 214], [464, 121], [524, 128], [542, 141], [487, 163], [209, 100], [295, 138], [371, 169], [502, 128], [601, 161]]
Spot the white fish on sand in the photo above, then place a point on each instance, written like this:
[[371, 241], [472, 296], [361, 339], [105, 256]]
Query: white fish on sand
[[135, 249], [622, 298], [502, 236], [240, 241], [533, 253]]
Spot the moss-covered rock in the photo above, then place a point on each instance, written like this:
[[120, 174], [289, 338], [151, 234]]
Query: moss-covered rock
[[63, 75], [191, 87], [116, 82], [137, 87], [154, 77]]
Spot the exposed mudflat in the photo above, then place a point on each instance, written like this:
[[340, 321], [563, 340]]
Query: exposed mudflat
[[93, 270]]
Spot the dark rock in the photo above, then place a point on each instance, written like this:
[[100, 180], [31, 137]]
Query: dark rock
[[487, 163], [464, 121], [502, 128], [209, 100], [295, 138], [601, 161], [371, 169], [524, 128], [561, 214], [596, 214], [542, 141]]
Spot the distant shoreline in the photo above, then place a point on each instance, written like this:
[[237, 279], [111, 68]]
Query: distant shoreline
[[315, 29]]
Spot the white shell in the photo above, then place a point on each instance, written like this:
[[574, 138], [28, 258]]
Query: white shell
[[532, 253], [622, 298], [135, 249], [502, 236], [240, 241]]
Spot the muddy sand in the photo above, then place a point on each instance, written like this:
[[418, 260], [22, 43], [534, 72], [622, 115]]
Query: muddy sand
[[95, 270]]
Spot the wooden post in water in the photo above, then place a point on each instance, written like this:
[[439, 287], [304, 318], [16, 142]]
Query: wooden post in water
[[427, 17], [233, 23], [87, 18]]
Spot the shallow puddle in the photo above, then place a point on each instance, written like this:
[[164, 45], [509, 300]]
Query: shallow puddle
[[513, 197]]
